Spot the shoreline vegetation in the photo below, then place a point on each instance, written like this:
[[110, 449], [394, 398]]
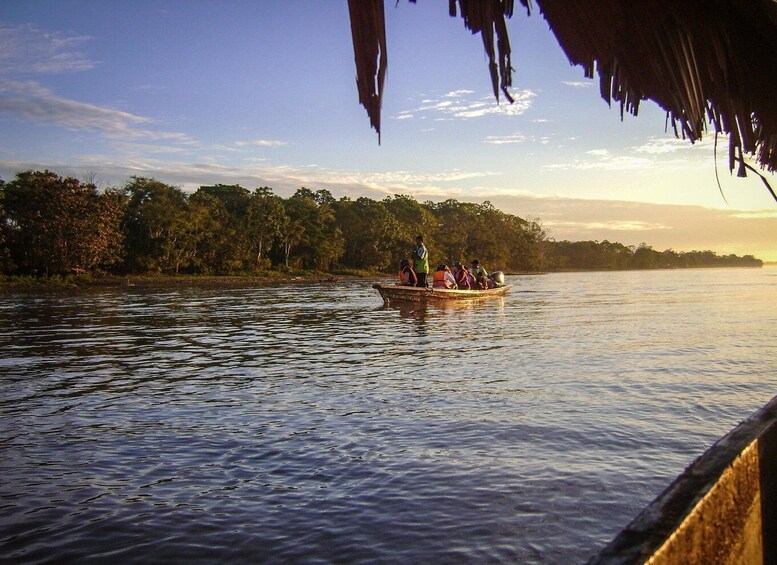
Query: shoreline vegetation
[[65, 232], [268, 278]]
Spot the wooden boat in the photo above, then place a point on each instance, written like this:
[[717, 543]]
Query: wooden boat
[[721, 509], [396, 292]]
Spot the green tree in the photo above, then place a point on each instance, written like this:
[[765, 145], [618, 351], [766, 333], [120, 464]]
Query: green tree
[[265, 220], [320, 243], [210, 238], [413, 218], [454, 227], [234, 251], [491, 237], [292, 232], [531, 249], [56, 225], [6, 264], [645, 257], [108, 246], [234, 197], [157, 226], [324, 198], [369, 234]]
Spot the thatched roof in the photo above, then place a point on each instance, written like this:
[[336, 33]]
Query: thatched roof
[[708, 63]]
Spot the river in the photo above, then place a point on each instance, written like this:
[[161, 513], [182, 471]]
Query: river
[[309, 423]]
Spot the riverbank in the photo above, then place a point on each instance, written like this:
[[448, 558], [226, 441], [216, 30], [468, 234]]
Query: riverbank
[[268, 278], [264, 278]]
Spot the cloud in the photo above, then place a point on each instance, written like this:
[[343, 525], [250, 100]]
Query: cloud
[[32, 101], [667, 145], [261, 143], [757, 214], [604, 161], [662, 226], [577, 83], [26, 49], [405, 179], [666, 153], [458, 93], [23, 87], [140, 147], [42, 105], [611, 225], [285, 179], [461, 104], [505, 139]]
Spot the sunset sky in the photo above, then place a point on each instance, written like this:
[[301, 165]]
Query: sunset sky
[[262, 93]]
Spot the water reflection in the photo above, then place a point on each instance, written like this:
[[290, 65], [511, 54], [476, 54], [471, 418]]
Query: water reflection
[[313, 424], [421, 311], [409, 310]]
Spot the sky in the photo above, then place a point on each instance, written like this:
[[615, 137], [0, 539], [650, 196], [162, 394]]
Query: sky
[[263, 93]]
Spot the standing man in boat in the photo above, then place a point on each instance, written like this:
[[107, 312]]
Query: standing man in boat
[[421, 261]]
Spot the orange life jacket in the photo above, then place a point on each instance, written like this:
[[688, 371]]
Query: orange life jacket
[[407, 277], [439, 280]]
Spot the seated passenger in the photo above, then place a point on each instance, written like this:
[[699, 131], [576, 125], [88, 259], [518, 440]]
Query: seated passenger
[[477, 270], [407, 276], [471, 279], [460, 275], [443, 278], [482, 282]]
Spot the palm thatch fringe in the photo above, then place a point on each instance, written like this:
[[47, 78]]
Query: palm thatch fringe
[[368, 30], [712, 61], [487, 17], [703, 61]]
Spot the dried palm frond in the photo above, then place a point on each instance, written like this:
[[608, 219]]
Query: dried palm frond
[[703, 61], [712, 61], [368, 30]]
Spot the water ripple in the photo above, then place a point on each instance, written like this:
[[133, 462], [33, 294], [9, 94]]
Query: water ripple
[[310, 423]]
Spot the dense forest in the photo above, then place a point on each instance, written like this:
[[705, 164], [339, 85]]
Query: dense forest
[[50, 225]]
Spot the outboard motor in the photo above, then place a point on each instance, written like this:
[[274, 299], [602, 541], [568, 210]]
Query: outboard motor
[[498, 277]]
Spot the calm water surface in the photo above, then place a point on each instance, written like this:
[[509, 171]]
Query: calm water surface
[[311, 424]]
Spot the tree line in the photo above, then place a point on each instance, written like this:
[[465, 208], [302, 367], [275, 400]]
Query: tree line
[[604, 255], [50, 225]]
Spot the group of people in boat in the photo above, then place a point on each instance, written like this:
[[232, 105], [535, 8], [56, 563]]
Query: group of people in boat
[[474, 278]]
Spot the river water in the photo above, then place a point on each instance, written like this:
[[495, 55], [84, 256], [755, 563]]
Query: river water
[[308, 423]]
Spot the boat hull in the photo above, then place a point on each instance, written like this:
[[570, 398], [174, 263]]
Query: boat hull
[[721, 509], [399, 293]]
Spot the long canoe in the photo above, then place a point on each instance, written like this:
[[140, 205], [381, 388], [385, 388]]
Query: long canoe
[[395, 292], [721, 509]]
